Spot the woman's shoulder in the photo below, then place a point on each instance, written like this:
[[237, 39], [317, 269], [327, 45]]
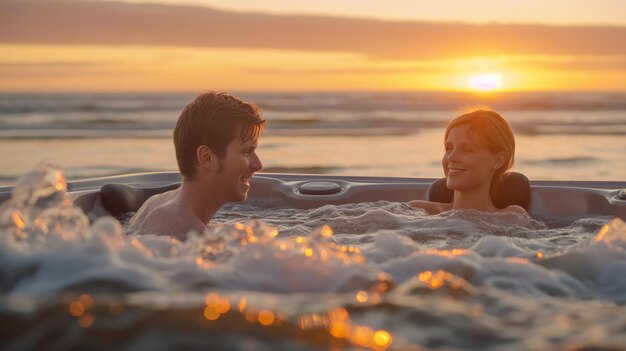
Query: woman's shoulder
[[514, 209], [432, 208]]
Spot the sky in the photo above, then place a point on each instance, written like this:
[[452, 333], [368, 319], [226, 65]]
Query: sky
[[281, 45]]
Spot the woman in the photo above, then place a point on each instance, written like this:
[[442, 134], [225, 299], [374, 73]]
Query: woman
[[480, 148]]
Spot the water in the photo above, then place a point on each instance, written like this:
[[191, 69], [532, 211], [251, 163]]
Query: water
[[572, 136], [376, 275]]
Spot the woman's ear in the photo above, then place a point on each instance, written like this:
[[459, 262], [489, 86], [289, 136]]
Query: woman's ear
[[500, 159]]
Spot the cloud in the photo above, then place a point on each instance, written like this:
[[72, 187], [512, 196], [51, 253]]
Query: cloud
[[55, 69], [585, 63], [116, 23], [336, 71]]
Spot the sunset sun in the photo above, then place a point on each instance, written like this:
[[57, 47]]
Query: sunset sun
[[485, 82]]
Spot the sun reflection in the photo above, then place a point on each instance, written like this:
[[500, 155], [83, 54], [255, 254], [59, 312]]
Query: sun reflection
[[266, 317], [382, 338], [362, 335], [86, 320], [251, 317], [59, 182], [17, 219], [76, 308], [517, 260], [445, 253], [326, 231], [262, 242], [242, 304], [602, 232], [336, 322], [435, 280], [362, 296], [211, 313], [87, 301]]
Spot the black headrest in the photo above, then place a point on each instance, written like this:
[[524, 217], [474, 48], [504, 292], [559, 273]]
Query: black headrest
[[122, 198], [515, 190]]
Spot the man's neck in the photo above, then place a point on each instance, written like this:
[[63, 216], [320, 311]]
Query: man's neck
[[196, 195]]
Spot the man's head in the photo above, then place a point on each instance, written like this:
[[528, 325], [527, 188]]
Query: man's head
[[213, 120]]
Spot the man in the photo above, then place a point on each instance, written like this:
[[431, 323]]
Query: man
[[215, 139]]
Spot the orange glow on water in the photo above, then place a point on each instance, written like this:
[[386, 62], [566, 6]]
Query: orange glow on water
[[602, 232], [362, 296], [211, 298], [339, 330], [87, 301], [445, 253], [211, 313], [326, 232], [266, 317], [59, 182], [251, 317], [339, 314], [17, 219], [437, 279], [382, 338], [86, 321], [242, 304], [76, 308], [215, 306], [223, 306], [362, 336], [517, 260]]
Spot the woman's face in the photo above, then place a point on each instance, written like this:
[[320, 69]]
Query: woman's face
[[466, 165]]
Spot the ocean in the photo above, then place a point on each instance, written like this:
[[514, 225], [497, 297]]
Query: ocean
[[568, 136], [265, 276]]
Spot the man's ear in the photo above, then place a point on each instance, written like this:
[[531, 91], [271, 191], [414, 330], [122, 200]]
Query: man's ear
[[206, 158]]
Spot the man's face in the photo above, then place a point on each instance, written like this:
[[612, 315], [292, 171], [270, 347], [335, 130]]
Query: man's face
[[236, 169]]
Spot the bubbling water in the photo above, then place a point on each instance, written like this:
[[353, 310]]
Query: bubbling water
[[369, 275]]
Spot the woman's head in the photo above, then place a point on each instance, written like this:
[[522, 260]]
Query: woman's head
[[480, 147]]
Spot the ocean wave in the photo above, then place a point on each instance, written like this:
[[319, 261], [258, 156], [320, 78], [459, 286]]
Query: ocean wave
[[586, 160]]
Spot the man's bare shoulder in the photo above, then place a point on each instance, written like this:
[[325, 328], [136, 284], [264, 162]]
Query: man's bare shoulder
[[150, 205], [432, 208], [168, 219], [163, 214]]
